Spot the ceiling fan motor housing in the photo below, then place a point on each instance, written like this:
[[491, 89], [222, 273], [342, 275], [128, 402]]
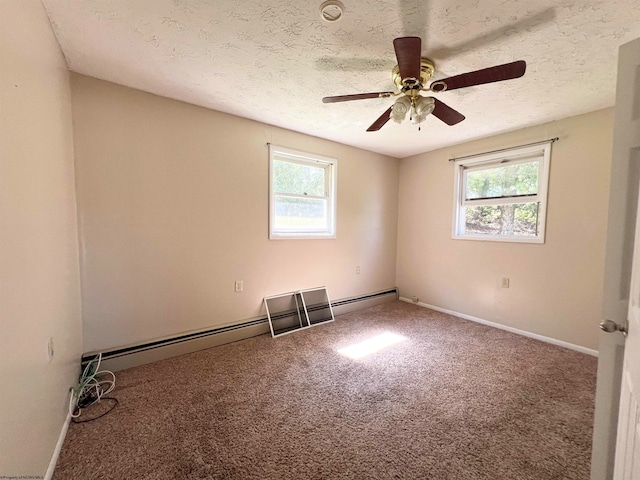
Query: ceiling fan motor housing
[[426, 72]]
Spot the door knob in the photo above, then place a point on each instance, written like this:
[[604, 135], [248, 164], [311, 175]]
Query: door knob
[[610, 326]]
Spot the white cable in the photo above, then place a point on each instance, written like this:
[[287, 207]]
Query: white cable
[[92, 385]]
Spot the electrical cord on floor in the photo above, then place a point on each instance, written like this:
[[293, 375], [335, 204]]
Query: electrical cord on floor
[[93, 386], [114, 405]]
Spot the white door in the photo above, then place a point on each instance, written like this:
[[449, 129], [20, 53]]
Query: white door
[[627, 459], [619, 277], [627, 138]]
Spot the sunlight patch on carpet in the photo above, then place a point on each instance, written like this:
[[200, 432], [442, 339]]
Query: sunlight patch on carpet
[[371, 345]]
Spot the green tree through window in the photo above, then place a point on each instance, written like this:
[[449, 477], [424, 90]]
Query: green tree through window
[[502, 196], [302, 195]]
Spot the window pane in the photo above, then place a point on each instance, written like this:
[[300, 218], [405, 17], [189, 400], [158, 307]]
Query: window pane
[[503, 181], [300, 214], [299, 179], [511, 220]]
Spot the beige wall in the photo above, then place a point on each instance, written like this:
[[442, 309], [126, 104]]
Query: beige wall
[[556, 288], [173, 208], [39, 273], [173, 203]]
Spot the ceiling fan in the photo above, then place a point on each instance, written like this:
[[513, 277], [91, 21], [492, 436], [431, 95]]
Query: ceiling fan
[[411, 76]]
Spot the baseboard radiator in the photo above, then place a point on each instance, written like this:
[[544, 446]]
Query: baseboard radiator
[[153, 351]]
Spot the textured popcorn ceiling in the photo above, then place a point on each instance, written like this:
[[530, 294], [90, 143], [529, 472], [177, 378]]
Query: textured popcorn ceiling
[[274, 60]]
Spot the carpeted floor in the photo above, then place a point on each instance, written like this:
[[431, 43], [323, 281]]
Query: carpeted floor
[[456, 400]]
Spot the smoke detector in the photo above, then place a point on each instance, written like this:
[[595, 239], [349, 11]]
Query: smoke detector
[[331, 11]]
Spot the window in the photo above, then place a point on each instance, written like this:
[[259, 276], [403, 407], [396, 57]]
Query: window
[[503, 196], [302, 194]]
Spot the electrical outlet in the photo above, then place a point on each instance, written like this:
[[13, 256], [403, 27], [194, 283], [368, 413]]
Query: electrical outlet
[[239, 286], [358, 269], [415, 299], [505, 282], [50, 348]]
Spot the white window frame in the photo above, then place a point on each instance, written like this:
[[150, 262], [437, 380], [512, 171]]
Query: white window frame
[[541, 153], [330, 195]]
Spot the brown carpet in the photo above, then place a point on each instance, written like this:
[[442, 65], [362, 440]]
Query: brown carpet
[[456, 400]]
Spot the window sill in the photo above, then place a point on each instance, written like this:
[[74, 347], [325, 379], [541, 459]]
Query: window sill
[[301, 236], [499, 238]]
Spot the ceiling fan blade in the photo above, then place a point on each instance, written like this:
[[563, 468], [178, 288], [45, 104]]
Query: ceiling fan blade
[[408, 52], [486, 75], [382, 119], [357, 96], [445, 113]]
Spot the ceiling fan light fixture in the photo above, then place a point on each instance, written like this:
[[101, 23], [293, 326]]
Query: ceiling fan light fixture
[[400, 109], [422, 107], [417, 119]]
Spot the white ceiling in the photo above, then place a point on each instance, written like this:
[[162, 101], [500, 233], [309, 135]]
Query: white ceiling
[[274, 60]]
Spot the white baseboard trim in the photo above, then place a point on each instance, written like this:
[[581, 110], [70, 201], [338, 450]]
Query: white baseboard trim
[[524, 333], [58, 449]]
